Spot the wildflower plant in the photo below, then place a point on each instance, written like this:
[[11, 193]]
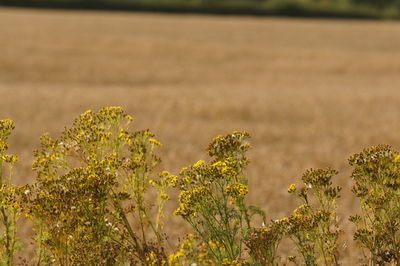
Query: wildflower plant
[[377, 186], [212, 197], [98, 201], [313, 227], [10, 207], [89, 204]]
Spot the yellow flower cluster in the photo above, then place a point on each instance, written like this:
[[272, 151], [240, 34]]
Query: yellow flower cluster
[[165, 180], [6, 127], [202, 173], [227, 262], [85, 178], [191, 253], [231, 145], [153, 260], [10, 198], [190, 201], [318, 177], [237, 190]]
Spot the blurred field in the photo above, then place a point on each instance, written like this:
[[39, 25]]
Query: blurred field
[[310, 92]]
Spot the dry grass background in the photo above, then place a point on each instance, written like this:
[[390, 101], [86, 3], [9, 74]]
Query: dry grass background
[[311, 92]]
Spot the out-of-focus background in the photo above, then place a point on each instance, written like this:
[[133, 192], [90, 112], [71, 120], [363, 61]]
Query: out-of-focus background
[[310, 91]]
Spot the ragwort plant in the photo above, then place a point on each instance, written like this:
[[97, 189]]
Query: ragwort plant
[[89, 202], [377, 186], [97, 201], [212, 198], [313, 227], [10, 207]]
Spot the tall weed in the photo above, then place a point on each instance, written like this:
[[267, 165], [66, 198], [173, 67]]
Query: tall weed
[[98, 200]]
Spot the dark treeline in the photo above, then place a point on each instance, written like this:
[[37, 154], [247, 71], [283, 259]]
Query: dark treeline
[[304, 8]]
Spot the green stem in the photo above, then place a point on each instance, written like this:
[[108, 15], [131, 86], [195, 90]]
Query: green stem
[[8, 238], [14, 233]]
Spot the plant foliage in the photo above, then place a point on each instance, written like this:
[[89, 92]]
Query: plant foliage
[[98, 200]]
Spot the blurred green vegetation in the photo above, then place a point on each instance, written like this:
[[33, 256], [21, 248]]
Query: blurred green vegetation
[[378, 9]]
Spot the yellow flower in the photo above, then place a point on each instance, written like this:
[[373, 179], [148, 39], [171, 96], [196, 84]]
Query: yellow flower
[[212, 244], [164, 196], [155, 142], [292, 188], [199, 164], [153, 183]]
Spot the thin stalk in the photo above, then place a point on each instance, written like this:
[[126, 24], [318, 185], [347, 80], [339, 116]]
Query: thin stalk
[[40, 246], [1, 171], [14, 233], [139, 200], [130, 231], [8, 240]]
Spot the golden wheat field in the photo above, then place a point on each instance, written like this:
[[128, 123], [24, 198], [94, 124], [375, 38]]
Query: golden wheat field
[[310, 92]]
